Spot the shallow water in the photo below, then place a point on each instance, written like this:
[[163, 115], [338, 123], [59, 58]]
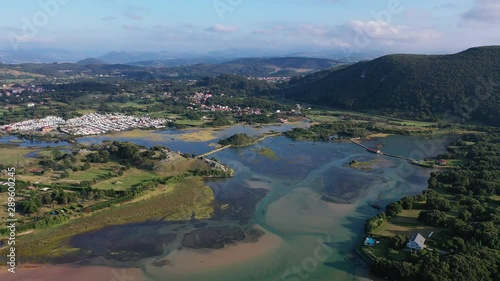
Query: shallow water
[[171, 138], [30, 143], [304, 237], [307, 238]]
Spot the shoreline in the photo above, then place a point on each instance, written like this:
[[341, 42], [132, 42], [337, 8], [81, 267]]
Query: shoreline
[[205, 260], [183, 263]]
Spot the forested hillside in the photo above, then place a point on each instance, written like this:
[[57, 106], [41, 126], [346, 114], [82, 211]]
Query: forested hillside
[[462, 206], [459, 87]]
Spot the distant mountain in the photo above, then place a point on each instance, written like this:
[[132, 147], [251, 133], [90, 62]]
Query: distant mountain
[[460, 86], [132, 57], [41, 55], [262, 67], [178, 62], [256, 67], [286, 63], [338, 55], [172, 58], [245, 53], [91, 61]]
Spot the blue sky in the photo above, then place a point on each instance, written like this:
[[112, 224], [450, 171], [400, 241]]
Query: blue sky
[[207, 25]]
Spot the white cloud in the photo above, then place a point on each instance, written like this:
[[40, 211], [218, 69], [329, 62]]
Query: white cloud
[[484, 11], [383, 32], [220, 28]]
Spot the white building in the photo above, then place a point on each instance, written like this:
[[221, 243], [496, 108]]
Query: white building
[[417, 242]]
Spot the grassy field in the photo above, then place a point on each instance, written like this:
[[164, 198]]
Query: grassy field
[[15, 156], [129, 104], [406, 224], [86, 111], [188, 122], [324, 118], [130, 178], [201, 135], [95, 171]]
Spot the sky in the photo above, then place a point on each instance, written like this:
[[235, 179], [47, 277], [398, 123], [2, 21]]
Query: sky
[[404, 26]]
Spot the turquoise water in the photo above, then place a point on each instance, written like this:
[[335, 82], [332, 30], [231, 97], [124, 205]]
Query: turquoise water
[[282, 195]]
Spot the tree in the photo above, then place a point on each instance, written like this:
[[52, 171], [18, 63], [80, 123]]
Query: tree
[[28, 207], [393, 209], [465, 215], [56, 153], [86, 166], [398, 242], [438, 203], [433, 217], [407, 203], [47, 199]]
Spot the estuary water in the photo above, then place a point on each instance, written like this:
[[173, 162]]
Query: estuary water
[[295, 213]]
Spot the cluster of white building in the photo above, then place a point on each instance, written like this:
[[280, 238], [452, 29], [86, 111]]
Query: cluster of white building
[[34, 124], [96, 124], [90, 124]]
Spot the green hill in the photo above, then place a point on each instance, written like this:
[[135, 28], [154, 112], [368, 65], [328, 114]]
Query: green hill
[[91, 61], [458, 87]]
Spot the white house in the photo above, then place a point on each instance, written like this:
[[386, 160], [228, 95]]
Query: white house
[[417, 242]]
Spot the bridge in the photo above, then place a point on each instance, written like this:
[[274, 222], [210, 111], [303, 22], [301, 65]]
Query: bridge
[[214, 151], [382, 153]]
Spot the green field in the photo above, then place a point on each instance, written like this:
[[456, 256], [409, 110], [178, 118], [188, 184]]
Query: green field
[[128, 104], [325, 118], [93, 173], [406, 224], [188, 122], [15, 156], [129, 179]]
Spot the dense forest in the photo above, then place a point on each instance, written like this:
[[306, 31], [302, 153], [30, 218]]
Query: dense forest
[[458, 88], [464, 205]]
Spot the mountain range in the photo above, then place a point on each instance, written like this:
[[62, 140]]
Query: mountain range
[[458, 87]]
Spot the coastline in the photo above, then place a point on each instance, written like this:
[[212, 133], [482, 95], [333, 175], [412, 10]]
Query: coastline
[[201, 261]]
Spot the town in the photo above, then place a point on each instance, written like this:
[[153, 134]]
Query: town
[[90, 124]]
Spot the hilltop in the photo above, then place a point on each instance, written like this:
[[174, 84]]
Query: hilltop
[[458, 87]]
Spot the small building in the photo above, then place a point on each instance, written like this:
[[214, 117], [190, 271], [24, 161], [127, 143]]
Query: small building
[[31, 104], [374, 150], [417, 243], [37, 171], [441, 162], [46, 129]]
